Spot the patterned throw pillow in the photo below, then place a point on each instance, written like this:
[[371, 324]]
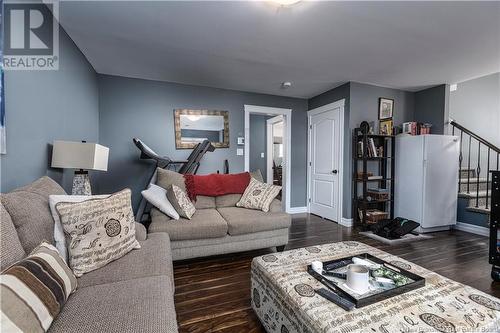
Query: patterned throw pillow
[[99, 230], [179, 199], [34, 290], [258, 195]]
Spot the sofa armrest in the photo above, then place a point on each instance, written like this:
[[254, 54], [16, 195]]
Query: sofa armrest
[[140, 232], [275, 206]]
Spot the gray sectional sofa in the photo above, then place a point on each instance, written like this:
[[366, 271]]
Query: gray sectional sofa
[[218, 226], [131, 294]]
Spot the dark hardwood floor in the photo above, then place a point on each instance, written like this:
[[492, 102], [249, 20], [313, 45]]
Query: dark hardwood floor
[[213, 294]]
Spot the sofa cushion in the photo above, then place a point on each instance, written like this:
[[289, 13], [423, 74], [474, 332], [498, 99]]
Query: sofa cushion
[[28, 207], [140, 231], [152, 259], [11, 249], [204, 202], [139, 305], [228, 200], [205, 223], [167, 178], [244, 221]]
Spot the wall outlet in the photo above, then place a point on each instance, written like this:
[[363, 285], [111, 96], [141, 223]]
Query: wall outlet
[[239, 151], [241, 140], [262, 155]]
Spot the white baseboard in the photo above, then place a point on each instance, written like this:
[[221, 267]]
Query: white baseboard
[[346, 222], [473, 229], [297, 210]]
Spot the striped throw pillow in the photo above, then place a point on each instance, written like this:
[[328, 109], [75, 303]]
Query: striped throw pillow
[[34, 290]]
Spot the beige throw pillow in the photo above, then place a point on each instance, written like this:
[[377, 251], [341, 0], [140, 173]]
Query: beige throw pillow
[[179, 199], [258, 195], [98, 230]]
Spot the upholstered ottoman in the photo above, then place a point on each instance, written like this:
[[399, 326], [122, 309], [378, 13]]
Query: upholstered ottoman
[[283, 298]]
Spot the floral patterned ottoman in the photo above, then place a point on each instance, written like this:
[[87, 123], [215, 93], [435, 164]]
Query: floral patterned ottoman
[[283, 298]]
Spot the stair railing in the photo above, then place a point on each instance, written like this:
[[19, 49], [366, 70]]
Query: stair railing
[[491, 149]]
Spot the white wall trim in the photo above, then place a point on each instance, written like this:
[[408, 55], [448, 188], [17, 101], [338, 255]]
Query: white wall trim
[[287, 113], [473, 229], [328, 107], [297, 210], [346, 222]]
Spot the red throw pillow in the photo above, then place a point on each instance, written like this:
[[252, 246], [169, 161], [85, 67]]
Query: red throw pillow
[[216, 184]]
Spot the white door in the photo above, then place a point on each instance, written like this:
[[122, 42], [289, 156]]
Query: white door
[[325, 157]]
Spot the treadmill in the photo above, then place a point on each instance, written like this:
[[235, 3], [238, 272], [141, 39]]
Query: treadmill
[[189, 166]]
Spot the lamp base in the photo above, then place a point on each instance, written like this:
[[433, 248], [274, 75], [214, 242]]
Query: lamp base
[[81, 183]]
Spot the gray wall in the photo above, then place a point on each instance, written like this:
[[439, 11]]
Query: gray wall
[[42, 106], [362, 104], [258, 143], [430, 107], [476, 105], [141, 108]]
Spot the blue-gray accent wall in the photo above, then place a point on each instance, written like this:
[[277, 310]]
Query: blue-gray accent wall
[[144, 109], [43, 106], [258, 143], [430, 107]]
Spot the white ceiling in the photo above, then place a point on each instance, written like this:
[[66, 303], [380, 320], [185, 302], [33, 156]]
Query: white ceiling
[[254, 46]]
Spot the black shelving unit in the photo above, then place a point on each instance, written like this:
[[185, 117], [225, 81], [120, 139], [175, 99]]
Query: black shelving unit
[[384, 165], [494, 225]]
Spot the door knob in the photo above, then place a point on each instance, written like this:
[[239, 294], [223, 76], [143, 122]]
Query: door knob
[[334, 171]]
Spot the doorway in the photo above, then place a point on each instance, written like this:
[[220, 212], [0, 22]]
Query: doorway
[[325, 156], [275, 152], [286, 120]]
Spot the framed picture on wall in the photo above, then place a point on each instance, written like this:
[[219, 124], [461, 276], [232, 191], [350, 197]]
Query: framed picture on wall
[[385, 127], [385, 108]]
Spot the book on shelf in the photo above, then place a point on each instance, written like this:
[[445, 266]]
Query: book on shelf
[[371, 150], [380, 190]]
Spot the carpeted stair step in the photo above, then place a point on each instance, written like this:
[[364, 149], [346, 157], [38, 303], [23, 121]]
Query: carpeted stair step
[[473, 184], [475, 204], [480, 209], [464, 172]]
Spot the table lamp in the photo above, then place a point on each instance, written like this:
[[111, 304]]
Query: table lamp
[[81, 156]]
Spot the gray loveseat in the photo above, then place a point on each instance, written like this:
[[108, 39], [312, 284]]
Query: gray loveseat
[[131, 294], [218, 226]]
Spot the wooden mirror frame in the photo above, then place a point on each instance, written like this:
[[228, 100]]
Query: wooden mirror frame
[[177, 122]]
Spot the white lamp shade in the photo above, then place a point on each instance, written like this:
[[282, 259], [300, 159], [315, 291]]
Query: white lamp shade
[[79, 155]]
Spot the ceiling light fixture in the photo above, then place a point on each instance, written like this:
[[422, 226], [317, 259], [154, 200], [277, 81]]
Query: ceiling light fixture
[[286, 85], [285, 2]]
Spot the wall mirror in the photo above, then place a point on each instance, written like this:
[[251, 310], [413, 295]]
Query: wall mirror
[[194, 126]]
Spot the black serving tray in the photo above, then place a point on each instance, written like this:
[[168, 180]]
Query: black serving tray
[[374, 296]]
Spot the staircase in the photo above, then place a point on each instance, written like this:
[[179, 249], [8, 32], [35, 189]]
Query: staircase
[[478, 158], [477, 193]]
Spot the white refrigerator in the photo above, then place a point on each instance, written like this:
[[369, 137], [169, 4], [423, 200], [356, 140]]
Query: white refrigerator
[[426, 180]]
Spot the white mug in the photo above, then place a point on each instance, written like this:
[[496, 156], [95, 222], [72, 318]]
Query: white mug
[[358, 278]]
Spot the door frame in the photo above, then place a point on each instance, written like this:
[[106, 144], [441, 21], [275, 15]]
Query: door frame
[[328, 107], [287, 114], [269, 146]]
